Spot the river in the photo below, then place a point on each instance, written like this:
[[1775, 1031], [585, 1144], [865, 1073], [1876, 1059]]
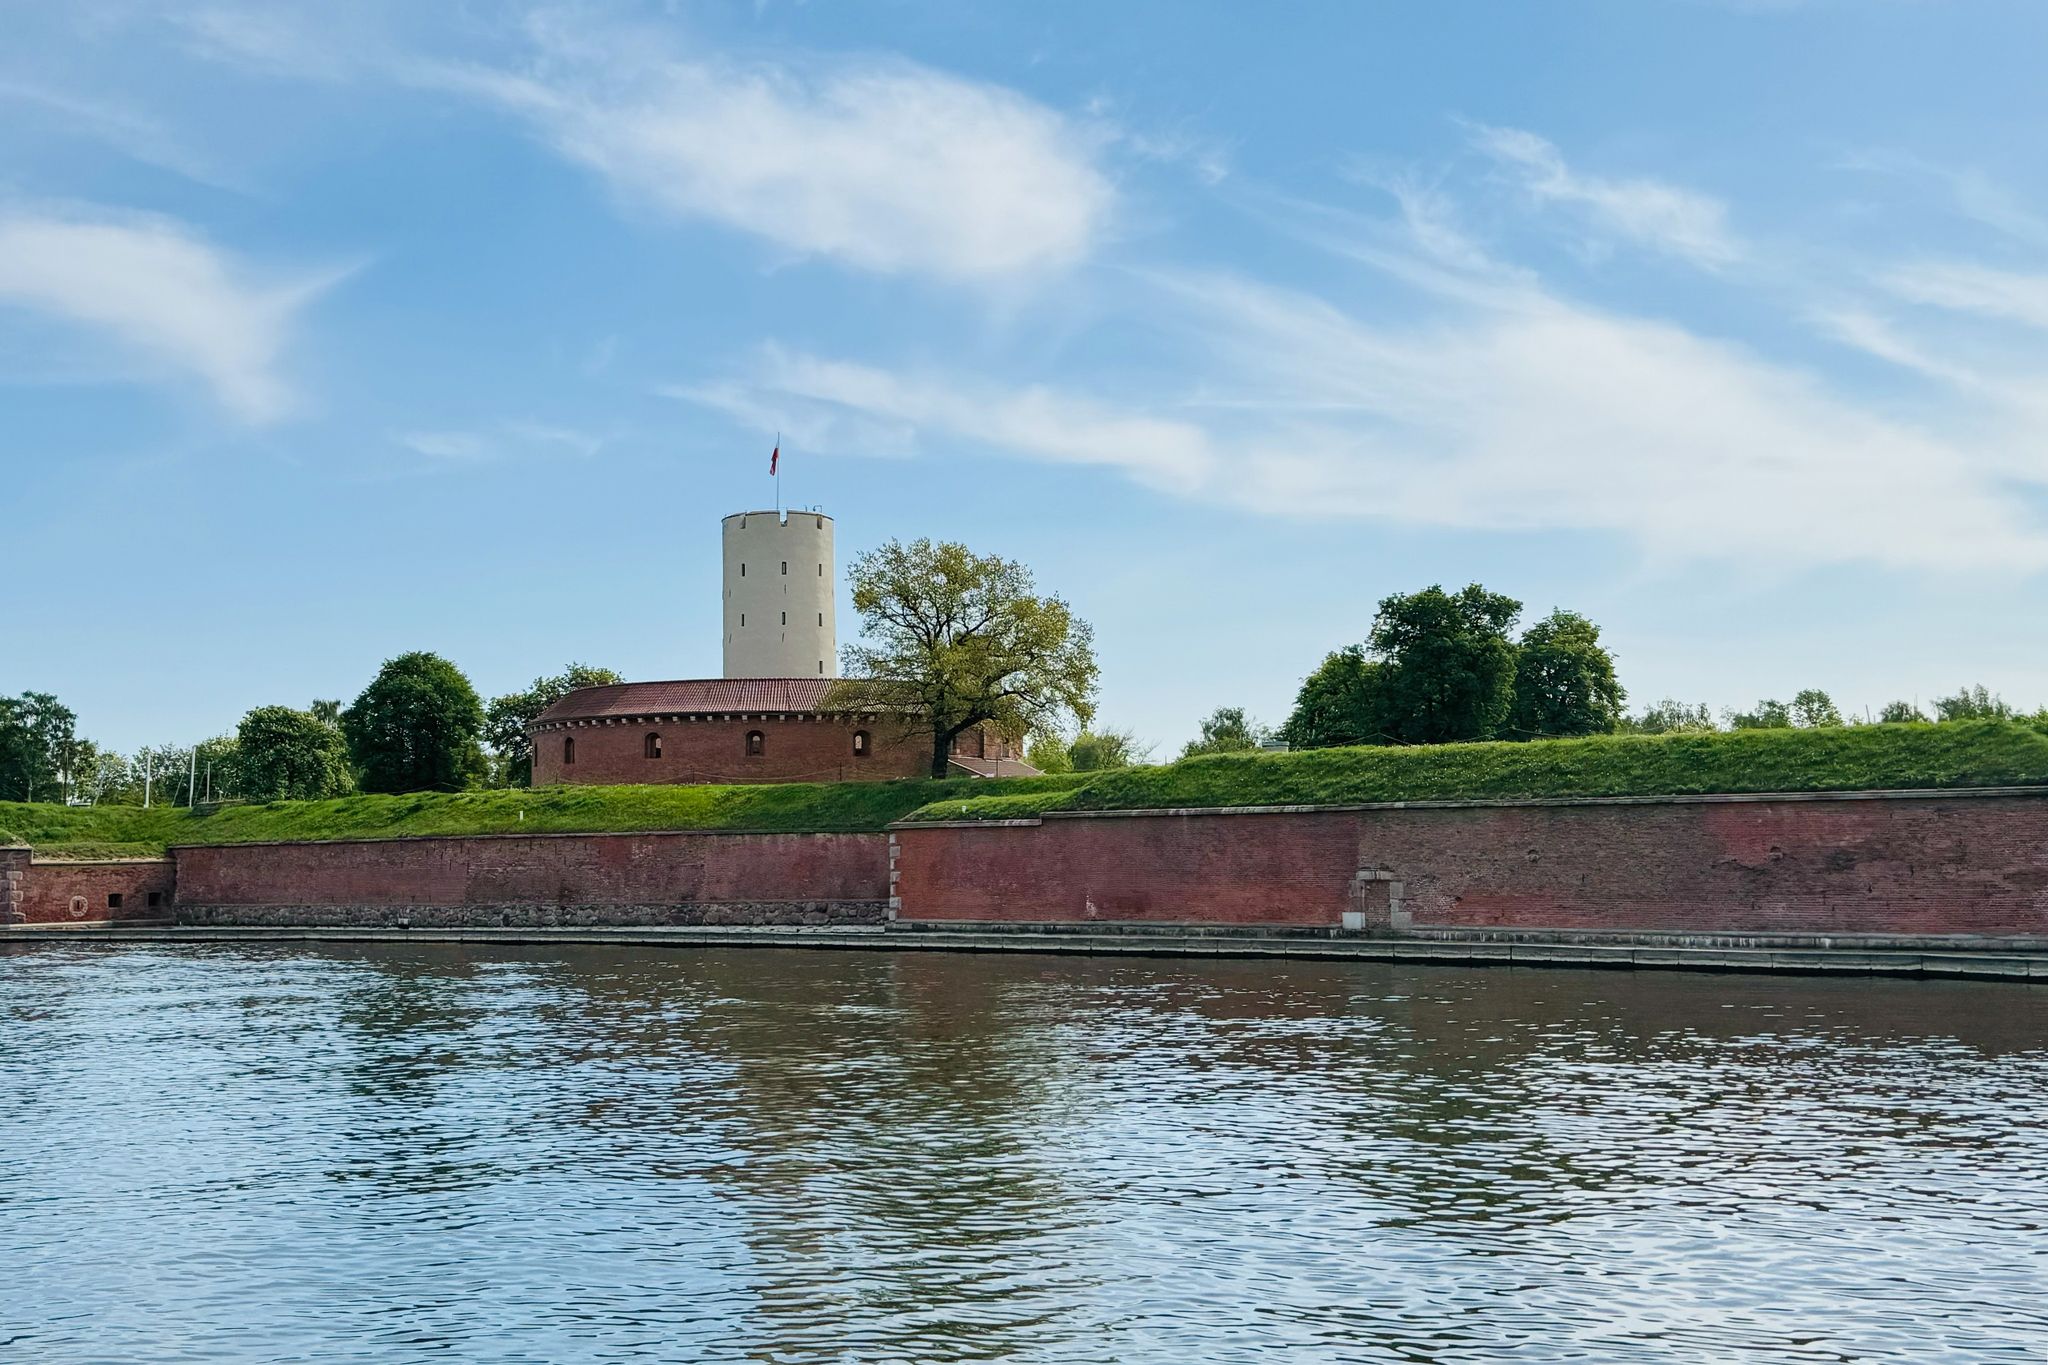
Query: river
[[438, 1153]]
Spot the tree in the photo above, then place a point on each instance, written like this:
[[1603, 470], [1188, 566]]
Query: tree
[[1670, 717], [1900, 713], [1813, 709], [415, 727], [1972, 703], [1340, 703], [1564, 681], [38, 737], [1227, 731], [952, 640], [96, 772], [1447, 664], [1097, 750], [326, 712], [1767, 715], [287, 755], [1049, 754], [508, 718]]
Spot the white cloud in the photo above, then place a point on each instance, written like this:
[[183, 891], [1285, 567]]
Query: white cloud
[[518, 436], [886, 165], [2000, 294], [444, 445], [164, 294], [1648, 212], [1545, 415]]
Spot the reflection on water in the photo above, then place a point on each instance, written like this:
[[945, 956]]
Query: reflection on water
[[439, 1153]]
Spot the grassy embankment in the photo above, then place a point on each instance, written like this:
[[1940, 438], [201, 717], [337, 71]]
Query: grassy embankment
[[1857, 758], [130, 831], [1961, 754]]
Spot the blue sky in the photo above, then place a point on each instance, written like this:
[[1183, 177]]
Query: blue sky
[[330, 332]]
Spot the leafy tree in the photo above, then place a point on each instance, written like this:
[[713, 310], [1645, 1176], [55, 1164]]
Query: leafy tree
[[1900, 713], [952, 639], [287, 755], [38, 736], [1973, 703], [1670, 717], [1447, 664], [96, 772], [1049, 754], [1767, 715], [1814, 709], [415, 727], [1564, 681], [326, 712], [1227, 731], [1340, 703], [507, 719], [1097, 750]]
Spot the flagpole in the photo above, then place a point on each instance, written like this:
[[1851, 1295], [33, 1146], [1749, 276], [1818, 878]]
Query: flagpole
[[778, 476]]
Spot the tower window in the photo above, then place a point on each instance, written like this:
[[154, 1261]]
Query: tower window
[[743, 618], [785, 567], [743, 570], [785, 618], [821, 618], [821, 665], [821, 571], [860, 744], [757, 744], [569, 749], [651, 746]]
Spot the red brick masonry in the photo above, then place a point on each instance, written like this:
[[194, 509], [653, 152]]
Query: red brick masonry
[[66, 892], [665, 878], [1860, 863]]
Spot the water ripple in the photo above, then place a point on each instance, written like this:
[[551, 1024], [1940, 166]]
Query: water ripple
[[433, 1153]]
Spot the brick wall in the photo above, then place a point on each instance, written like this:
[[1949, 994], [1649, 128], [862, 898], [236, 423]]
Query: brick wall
[[667, 878], [62, 892], [1873, 863], [811, 748]]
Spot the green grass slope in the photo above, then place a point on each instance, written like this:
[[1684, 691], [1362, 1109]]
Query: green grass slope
[[1855, 758], [130, 831]]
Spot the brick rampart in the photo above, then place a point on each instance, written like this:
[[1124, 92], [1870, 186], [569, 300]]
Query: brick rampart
[[97, 892], [625, 879], [1866, 863]]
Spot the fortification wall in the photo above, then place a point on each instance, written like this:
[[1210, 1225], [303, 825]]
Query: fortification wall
[[1864, 863], [815, 748], [57, 891], [523, 880]]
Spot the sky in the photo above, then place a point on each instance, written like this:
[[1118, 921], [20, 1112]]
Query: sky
[[329, 332]]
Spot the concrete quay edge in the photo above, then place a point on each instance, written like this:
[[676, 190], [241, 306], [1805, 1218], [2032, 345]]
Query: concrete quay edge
[[1961, 963]]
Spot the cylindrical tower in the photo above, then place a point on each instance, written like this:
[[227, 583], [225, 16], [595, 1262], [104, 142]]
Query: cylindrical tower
[[779, 591]]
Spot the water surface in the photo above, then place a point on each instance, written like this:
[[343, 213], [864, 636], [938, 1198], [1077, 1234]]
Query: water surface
[[436, 1154]]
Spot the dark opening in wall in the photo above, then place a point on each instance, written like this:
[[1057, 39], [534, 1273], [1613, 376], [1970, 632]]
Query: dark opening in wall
[[651, 746], [569, 750], [113, 900], [757, 743]]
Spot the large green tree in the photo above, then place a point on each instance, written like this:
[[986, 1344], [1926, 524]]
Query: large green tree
[[1564, 681], [951, 640], [415, 728], [288, 755], [508, 718], [1228, 730], [1447, 664], [38, 746], [1340, 703]]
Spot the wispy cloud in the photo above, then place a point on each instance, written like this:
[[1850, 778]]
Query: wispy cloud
[[163, 293], [519, 436], [1521, 411], [1649, 213], [882, 164], [146, 139], [2001, 294]]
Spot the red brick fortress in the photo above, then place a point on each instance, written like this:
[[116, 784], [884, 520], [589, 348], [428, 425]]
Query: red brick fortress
[[1879, 863], [739, 730]]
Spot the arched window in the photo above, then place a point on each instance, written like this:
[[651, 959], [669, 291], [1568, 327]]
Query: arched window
[[651, 746], [757, 743], [568, 748], [860, 744]]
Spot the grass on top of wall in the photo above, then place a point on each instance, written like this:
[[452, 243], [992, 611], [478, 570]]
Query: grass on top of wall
[[1853, 758], [836, 807]]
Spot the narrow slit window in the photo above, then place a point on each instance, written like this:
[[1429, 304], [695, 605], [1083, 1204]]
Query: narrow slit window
[[821, 618], [757, 743], [651, 746], [785, 618], [743, 571], [569, 749], [785, 568]]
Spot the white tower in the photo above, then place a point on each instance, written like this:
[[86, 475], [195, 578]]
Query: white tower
[[779, 591]]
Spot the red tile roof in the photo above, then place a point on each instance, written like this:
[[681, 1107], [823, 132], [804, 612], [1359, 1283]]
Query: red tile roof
[[994, 767], [689, 696]]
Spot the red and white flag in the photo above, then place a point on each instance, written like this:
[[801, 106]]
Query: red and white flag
[[774, 458]]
